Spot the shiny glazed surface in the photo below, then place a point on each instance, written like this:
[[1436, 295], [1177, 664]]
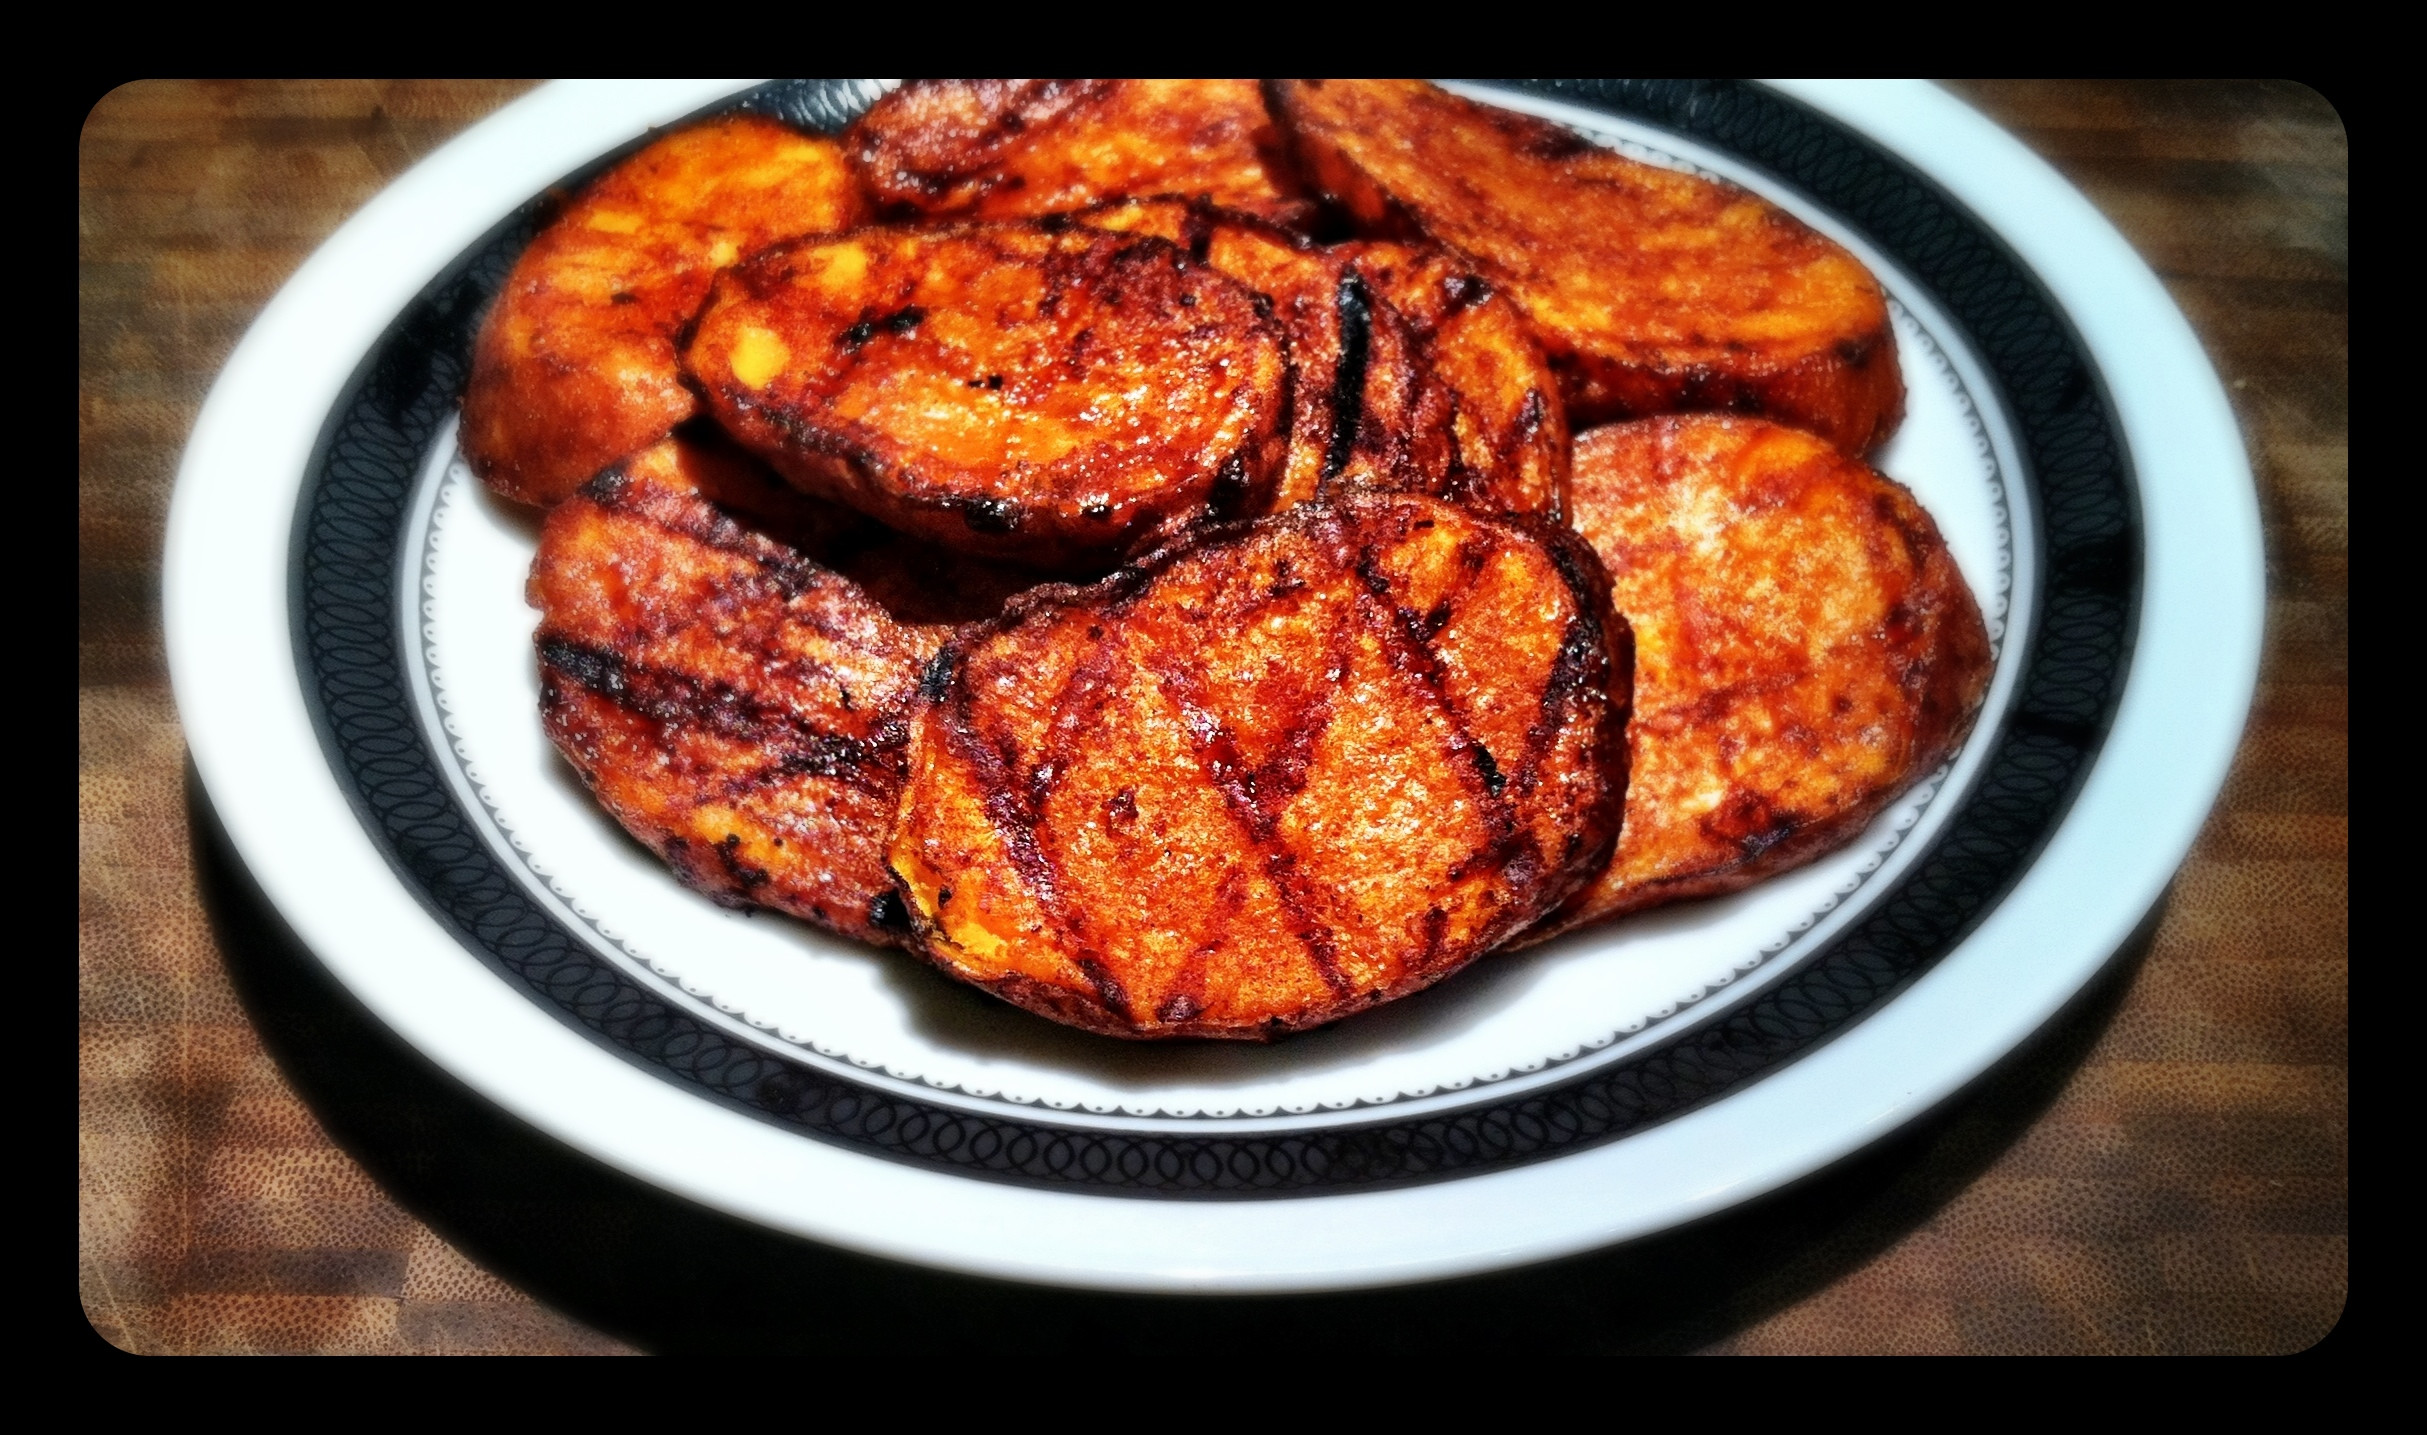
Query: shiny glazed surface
[[1805, 649], [1015, 149], [575, 367], [1283, 773], [1653, 290], [1051, 395]]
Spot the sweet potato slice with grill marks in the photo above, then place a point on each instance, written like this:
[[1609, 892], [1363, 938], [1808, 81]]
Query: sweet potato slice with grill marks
[[1272, 776], [737, 705], [1653, 291], [1364, 412], [1805, 650], [1017, 149], [1511, 425], [1046, 394], [575, 365]]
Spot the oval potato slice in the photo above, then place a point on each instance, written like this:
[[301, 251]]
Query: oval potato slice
[[1053, 395], [734, 703], [1017, 149], [1653, 291], [1276, 775], [1805, 650], [575, 366]]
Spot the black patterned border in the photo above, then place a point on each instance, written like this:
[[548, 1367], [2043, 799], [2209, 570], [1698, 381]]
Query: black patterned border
[[346, 579]]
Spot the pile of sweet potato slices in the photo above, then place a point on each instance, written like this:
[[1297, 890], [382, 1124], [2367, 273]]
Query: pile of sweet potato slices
[[1202, 558]]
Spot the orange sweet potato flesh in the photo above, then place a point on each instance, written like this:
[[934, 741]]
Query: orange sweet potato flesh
[[575, 366], [736, 704], [1653, 291], [1805, 650], [1018, 149], [1284, 772], [1389, 427], [1511, 424], [1044, 394]]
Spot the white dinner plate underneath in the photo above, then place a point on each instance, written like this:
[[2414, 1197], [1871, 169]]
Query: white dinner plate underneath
[[352, 662]]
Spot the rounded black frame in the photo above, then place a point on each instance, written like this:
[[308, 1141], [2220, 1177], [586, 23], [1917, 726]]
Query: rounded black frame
[[345, 580]]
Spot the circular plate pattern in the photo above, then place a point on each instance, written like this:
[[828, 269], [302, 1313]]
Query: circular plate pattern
[[355, 568]]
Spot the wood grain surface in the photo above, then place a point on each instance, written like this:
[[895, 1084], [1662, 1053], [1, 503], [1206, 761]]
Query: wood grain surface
[[2165, 1171]]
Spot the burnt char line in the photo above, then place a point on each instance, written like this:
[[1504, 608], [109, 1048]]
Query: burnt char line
[[787, 577], [679, 700], [1400, 631], [789, 572], [1256, 811], [1078, 709], [705, 522], [1589, 585], [1355, 318], [1012, 804]]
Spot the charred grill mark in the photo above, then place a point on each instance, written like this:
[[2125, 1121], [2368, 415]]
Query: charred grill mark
[[607, 489], [1229, 489], [1531, 414], [1197, 233], [1493, 782], [745, 876], [989, 515], [1355, 318], [680, 701], [1590, 652], [711, 526], [1460, 292], [937, 679], [1256, 797], [1079, 710], [1014, 803], [1108, 987], [900, 323], [1259, 793], [1571, 671], [1750, 824], [749, 608], [1436, 932], [1401, 632]]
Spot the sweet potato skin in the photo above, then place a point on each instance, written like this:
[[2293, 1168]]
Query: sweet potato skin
[[735, 703], [1652, 291], [1018, 149], [1364, 411], [1511, 424], [1044, 394], [1805, 650], [575, 366], [1275, 775]]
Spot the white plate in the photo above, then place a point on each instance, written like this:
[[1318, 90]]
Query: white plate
[[352, 663]]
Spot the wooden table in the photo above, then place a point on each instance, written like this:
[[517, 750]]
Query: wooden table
[[2165, 1170]]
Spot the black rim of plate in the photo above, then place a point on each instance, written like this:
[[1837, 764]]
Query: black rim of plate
[[345, 581]]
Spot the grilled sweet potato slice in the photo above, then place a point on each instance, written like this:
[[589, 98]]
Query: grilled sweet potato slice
[[575, 365], [1511, 425], [1017, 149], [1054, 395], [1272, 776], [1805, 649], [1653, 291], [735, 704], [1364, 412]]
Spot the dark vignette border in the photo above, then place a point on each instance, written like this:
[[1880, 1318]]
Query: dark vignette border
[[345, 578]]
